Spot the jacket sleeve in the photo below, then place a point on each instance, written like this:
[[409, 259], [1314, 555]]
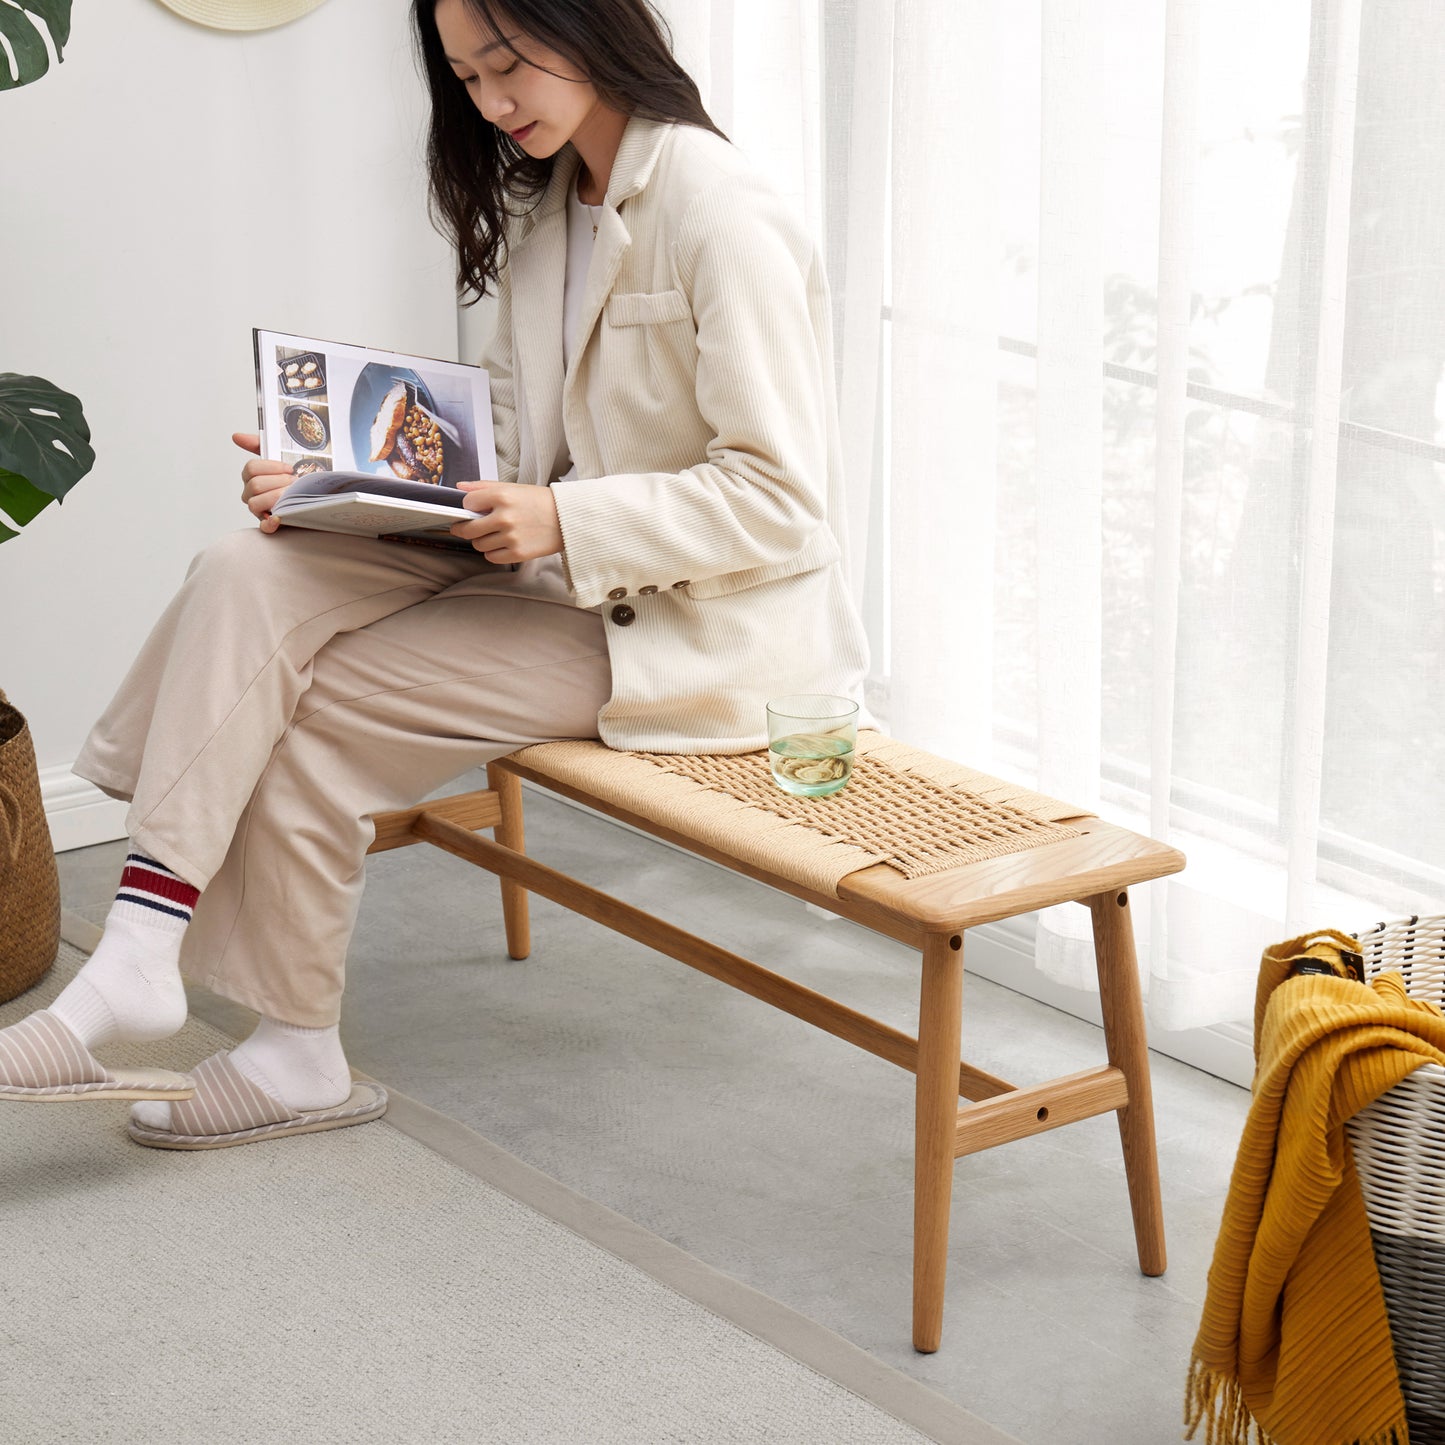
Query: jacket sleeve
[[496, 360], [746, 265]]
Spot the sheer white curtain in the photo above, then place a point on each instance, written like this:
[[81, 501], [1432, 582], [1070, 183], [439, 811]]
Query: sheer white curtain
[[1140, 328]]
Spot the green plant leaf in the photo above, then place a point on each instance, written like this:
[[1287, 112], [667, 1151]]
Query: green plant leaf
[[56, 15], [44, 437], [26, 41], [21, 502]]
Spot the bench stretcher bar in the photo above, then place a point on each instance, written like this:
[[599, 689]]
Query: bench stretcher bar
[[804, 1003]]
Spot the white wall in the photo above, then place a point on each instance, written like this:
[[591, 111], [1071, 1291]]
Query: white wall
[[165, 189]]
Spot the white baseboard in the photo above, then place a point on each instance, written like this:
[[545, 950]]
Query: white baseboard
[[78, 813]]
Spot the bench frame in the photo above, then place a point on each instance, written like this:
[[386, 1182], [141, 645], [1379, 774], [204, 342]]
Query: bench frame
[[926, 916]]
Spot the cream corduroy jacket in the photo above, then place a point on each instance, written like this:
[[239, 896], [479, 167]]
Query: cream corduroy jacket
[[700, 411]]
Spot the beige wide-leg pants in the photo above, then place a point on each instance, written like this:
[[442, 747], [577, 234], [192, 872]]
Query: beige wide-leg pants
[[298, 683]]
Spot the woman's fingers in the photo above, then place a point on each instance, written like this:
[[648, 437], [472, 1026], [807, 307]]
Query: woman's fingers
[[260, 503], [479, 530], [514, 523], [482, 530], [262, 499], [262, 480], [263, 468]]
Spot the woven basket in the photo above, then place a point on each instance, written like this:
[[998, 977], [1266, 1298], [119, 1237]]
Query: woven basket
[[29, 883], [1399, 1146]]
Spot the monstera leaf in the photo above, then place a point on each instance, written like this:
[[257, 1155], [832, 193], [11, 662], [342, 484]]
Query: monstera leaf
[[27, 44], [44, 446]]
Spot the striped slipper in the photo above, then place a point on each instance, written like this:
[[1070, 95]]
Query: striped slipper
[[229, 1109], [42, 1061]]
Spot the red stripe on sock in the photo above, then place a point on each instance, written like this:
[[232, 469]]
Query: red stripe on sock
[[145, 880]]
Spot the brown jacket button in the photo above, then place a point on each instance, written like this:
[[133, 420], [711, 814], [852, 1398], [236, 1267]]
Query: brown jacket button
[[646, 591], [617, 593], [684, 583], [622, 615]]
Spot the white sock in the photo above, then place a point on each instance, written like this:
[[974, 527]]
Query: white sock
[[304, 1068], [131, 991]]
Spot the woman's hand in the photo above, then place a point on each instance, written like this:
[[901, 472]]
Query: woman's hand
[[261, 481], [516, 522]]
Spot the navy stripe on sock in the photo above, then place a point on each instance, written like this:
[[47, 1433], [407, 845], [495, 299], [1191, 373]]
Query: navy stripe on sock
[[147, 862], [148, 902]]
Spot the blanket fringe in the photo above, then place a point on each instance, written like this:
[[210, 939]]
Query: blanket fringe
[[1215, 1400]]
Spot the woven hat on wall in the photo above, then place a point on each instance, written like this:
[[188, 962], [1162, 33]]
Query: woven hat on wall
[[242, 14]]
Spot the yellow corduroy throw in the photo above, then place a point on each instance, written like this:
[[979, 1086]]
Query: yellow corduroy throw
[[1294, 1344]]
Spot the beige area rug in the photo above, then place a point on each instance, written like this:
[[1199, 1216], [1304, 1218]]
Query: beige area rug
[[400, 1281]]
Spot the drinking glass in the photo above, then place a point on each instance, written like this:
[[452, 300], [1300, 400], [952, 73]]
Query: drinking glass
[[810, 743]]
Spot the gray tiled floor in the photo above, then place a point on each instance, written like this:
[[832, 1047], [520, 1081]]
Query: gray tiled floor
[[776, 1153]]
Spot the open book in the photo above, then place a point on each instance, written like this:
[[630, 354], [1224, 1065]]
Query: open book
[[377, 439], [370, 506]]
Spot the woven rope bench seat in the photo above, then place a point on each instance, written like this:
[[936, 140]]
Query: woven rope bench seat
[[916, 847], [918, 813], [1040, 851]]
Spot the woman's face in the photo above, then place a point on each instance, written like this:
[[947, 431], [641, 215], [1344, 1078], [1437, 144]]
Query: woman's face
[[540, 111]]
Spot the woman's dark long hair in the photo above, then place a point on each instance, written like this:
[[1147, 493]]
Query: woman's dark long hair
[[474, 169]]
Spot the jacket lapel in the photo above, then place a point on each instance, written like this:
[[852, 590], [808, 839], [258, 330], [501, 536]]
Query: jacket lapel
[[613, 239]]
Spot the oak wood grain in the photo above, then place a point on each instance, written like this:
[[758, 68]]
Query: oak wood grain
[[940, 1015], [510, 832], [1039, 1108], [1122, 1005], [1105, 856], [479, 809]]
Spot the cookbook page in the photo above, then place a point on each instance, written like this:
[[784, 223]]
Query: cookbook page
[[328, 406]]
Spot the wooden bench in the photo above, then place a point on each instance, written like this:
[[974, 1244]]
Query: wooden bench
[[1096, 866]]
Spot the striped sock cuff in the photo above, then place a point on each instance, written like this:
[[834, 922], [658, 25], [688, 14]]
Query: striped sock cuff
[[151, 886]]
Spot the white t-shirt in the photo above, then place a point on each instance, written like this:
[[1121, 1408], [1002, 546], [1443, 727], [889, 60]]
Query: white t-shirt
[[581, 233]]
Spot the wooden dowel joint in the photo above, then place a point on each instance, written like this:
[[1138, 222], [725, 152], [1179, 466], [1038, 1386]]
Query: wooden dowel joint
[[1039, 1108]]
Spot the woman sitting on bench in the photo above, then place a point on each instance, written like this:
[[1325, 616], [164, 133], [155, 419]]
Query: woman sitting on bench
[[668, 450]]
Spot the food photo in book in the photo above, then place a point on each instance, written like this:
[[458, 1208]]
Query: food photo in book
[[414, 424]]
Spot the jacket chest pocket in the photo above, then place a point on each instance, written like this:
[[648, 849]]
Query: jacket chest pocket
[[647, 308], [649, 336]]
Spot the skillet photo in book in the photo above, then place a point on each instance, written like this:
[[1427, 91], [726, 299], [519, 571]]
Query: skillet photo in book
[[377, 439]]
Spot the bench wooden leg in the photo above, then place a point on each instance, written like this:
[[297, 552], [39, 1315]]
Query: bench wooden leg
[[935, 1129], [510, 833], [1123, 1010]]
